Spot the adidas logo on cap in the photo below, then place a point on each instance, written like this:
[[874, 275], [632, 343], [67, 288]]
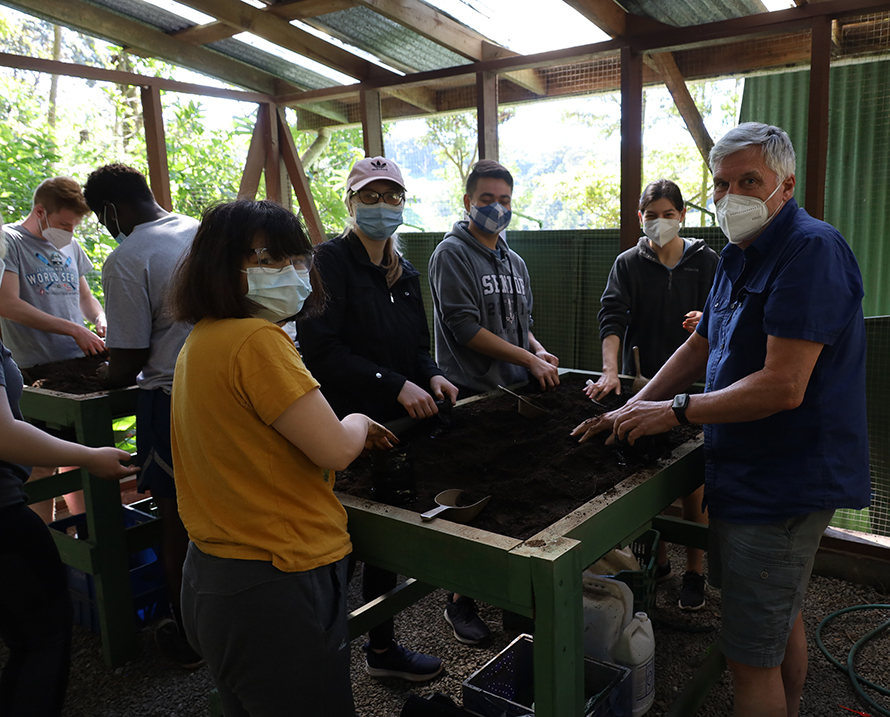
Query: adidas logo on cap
[[378, 164]]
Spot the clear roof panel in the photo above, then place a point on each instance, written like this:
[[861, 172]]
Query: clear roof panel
[[524, 26]]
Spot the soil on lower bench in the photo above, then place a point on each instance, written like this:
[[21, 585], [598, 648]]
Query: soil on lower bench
[[77, 376], [534, 471]]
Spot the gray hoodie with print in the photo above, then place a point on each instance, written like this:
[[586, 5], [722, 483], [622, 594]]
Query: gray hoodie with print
[[476, 288]]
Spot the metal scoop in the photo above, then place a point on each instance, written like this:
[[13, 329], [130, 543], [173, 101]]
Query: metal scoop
[[527, 408], [448, 508], [639, 380]]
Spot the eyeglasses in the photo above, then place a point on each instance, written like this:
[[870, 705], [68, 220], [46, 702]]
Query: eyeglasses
[[301, 262], [369, 196]]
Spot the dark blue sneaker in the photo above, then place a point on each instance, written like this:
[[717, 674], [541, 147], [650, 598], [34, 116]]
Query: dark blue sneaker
[[465, 622], [399, 661]]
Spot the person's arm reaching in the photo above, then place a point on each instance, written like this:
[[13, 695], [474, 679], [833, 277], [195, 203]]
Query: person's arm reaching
[[608, 381], [24, 444], [91, 308], [311, 425], [485, 342], [122, 367], [15, 309]]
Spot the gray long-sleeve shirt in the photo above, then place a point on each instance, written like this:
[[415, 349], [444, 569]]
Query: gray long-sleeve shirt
[[476, 288]]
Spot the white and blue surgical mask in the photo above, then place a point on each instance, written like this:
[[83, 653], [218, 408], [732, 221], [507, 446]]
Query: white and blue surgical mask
[[491, 218], [119, 238], [280, 294], [378, 221]]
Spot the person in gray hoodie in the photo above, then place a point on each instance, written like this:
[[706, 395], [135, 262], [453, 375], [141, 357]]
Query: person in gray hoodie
[[482, 295], [482, 303]]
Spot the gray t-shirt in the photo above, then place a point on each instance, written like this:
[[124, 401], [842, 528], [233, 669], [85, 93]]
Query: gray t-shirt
[[12, 475], [49, 279], [135, 278]]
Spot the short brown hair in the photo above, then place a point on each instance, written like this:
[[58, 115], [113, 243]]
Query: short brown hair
[[207, 285], [662, 189], [61, 193], [488, 168]]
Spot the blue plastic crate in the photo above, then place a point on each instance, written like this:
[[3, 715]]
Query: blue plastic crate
[[504, 686], [146, 577]]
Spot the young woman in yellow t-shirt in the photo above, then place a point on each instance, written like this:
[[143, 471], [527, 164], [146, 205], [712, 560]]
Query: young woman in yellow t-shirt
[[255, 445]]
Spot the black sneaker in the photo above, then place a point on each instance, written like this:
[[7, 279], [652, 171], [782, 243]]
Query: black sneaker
[[662, 572], [399, 661], [465, 621], [692, 594], [174, 646]]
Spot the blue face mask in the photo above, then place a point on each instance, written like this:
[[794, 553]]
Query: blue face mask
[[281, 294], [120, 235], [491, 218], [378, 221]]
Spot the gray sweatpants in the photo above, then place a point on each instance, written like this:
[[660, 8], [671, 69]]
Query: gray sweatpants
[[276, 643]]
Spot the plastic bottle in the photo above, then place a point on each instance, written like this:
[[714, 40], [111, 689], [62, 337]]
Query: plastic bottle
[[636, 650], [608, 610]]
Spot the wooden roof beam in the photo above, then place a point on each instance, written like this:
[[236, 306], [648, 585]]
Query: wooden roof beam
[[247, 18], [98, 22], [296, 10], [666, 66]]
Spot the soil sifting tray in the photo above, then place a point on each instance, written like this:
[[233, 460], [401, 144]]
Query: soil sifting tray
[[535, 472], [75, 376]]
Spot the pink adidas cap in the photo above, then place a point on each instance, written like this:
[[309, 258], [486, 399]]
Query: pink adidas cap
[[371, 169]]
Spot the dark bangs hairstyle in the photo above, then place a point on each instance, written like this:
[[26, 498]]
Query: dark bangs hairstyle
[[662, 189], [208, 283]]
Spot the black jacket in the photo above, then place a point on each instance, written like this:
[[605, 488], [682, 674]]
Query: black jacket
[[644, 302], [370, 339]]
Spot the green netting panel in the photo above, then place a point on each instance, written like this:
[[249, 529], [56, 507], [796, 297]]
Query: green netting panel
[[875, 519], [568, 271]]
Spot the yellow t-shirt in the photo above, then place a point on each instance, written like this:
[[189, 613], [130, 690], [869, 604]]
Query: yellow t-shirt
[[244, 490]]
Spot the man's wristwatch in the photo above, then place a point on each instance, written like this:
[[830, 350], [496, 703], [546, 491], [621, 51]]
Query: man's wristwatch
[[680, 403]]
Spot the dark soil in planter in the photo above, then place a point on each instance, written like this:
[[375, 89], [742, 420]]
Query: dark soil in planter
[[77, 376], [534, 470]]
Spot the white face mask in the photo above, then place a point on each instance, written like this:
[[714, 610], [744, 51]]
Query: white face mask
[[59, 238], [660, 231], [742, 217], [281, 293]]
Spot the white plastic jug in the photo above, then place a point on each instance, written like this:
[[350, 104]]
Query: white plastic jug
[[636, 650], [608, 609]]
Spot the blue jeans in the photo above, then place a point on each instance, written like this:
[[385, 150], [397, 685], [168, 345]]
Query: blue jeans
[[276, 643], [35, 616]]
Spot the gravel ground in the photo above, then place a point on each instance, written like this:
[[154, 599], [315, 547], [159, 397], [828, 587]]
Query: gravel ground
[[150, 687]]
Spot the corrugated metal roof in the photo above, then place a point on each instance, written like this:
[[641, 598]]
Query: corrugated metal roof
[[169, 22], [683, 13], [856, 197], [396, 45]]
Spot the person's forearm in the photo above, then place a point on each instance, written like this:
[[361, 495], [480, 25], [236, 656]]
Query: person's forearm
[[611, 349], [355, 433], [485, 342], [24, 444], [91, 308], [683, 368], [23, 313]]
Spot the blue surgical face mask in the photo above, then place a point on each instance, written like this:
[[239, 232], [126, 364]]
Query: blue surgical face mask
[[281, 294], [491, 218], [120, 235], [378, 221]]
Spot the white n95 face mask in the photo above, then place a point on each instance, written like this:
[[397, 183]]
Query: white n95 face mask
[[59, 238], [281, 294], [741, 217], [660, 231]]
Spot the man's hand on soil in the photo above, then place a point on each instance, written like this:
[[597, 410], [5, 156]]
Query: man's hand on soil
[[87, 341]]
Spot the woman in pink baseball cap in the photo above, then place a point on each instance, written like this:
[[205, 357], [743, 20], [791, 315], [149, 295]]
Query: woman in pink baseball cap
[[370, 350]]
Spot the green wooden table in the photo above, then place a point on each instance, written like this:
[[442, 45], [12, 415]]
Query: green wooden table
[[104, 555], [539, 577]]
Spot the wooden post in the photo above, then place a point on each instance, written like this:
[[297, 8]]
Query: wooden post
[[487, 114], [156, 146], [372, 123], [298, 178], [817, 127], [256, 158], [272, 153], [631, 145]]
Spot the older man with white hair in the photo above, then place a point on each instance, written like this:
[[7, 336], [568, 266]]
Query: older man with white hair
[[782, 344]]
